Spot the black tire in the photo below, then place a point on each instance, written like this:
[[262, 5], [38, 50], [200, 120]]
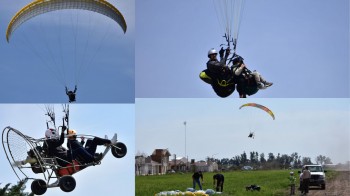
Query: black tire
[[38, 187], [323, 186], [36, 168], [119, 150], [67, 183]]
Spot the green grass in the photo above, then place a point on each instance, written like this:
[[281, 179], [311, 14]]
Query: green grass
[[330, 174], [272, 182]]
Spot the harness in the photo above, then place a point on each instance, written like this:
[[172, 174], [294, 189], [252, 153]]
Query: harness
[[225, 83], [224, 79]]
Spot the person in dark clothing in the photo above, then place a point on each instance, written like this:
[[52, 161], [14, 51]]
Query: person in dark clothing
[[251, 135], [53, 146], [218, 67], [219, 178], [218, 74], [196, 179], [71, 94], [85, 154]]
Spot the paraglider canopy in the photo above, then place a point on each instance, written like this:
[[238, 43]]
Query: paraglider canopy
[[68, 38], [39, 7], [260, 107]]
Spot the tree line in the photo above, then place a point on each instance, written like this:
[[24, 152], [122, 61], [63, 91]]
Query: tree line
[[15, 190], [269, 161]]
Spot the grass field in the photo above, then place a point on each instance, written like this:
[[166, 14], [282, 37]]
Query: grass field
[[272, 182]]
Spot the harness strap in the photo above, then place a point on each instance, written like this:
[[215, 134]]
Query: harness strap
[[224, 83]]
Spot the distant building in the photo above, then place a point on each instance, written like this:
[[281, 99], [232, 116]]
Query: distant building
[[156, 164], [159, 163], [179, 164], [206, 166]]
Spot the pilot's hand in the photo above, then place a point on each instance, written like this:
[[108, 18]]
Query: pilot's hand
[[64, 128], [221, 52]]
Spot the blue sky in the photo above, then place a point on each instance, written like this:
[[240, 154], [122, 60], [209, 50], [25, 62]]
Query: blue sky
[[112, 176], [108, 74], [301, 46], [217, 127]]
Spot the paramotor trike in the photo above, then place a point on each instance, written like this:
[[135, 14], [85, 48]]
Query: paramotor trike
[[25, 153]]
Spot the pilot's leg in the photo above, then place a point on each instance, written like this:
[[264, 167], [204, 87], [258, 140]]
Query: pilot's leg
[[91, 148]]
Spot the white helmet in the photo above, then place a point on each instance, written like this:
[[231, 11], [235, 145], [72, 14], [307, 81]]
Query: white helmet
[[212, 51], [51, 134]]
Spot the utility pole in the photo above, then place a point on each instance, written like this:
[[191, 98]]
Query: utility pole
[[185, 145]]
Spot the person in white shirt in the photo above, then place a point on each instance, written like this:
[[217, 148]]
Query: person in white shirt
[[306, 175]]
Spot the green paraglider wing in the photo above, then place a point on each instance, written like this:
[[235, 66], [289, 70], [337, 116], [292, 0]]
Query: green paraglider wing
[[260, 107], [43, 6]]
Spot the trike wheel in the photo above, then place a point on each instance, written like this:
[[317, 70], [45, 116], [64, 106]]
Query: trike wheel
[[119, 150], [38, 187], [67, 183]]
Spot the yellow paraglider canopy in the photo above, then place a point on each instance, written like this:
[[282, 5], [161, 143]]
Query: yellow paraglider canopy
[[43, 6], [260, 107]]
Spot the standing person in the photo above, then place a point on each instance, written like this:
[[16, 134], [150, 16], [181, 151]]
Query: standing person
[[219, 178], [292, 183], [301, 188], [306, 179], [196, 179]]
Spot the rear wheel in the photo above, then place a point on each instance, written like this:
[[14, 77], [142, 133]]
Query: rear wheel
[[119, 150], [38, 187], [67, 183]]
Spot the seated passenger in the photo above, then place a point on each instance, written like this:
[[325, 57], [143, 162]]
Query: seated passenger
[[85, 154], [248, 82]]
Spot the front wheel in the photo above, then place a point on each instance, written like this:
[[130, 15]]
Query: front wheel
[[119, 150], [323, 186], [67, 183], [38, 187]]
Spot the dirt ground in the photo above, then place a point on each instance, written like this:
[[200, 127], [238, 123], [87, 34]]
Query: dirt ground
[[339, 186]]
